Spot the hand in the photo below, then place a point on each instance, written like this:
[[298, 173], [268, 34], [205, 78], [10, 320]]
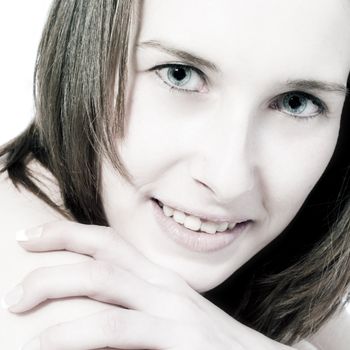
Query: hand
[[152, 307]]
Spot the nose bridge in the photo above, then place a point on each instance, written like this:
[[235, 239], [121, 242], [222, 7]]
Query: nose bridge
[[226, 165]]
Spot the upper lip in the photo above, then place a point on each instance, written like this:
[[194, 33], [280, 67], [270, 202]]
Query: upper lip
[[202, 215]]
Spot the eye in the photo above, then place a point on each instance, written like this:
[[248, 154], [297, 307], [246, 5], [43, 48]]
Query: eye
[[182, 77], [299, 104]]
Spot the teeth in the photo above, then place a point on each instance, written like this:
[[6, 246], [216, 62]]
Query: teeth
[[209, 227], [193, 223], [168, 211], [179, 216], [231, 226], [223, 227]]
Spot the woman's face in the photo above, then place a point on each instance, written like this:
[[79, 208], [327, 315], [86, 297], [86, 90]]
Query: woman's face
[[233, 113]]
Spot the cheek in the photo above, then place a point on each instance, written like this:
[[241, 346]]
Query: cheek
[[148, 150], [155, 134], [295, 163]]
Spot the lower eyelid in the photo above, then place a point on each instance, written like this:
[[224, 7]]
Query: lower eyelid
[[174, 89], [322, 108], [200, 74]]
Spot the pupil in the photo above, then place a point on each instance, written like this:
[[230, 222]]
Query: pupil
[[294, 102], [179, 73]]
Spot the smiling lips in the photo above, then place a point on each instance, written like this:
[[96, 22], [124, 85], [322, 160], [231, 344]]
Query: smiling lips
[[197, 241], [195, 223]]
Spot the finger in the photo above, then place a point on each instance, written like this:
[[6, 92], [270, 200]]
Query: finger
[[102, 243], [99, 281], [93, 240], [116, 328]]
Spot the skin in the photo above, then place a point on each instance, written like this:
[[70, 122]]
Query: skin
[[223, 149], [254, 161]]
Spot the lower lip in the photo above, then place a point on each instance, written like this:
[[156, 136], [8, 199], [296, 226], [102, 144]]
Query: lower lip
[[195, 240]]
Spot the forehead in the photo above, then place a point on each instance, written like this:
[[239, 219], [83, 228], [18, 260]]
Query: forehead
[[256, 36]]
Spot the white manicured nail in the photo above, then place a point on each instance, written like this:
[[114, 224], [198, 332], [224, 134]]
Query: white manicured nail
[[13, 297]]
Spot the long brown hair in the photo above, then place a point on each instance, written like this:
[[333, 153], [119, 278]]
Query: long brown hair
[[288, 290], [81, 61]]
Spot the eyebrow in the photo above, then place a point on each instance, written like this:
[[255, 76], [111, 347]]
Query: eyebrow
[[184, 55], [302, 84], [323, 86]]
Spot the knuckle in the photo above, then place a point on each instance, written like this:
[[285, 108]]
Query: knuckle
[[172, 278], [169, 279], [181, 307], [107, 239], [112, 323], [100, 274], [108, 234], [184, 302]]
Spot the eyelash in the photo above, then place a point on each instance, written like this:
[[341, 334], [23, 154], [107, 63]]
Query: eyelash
[[173, 88], [322, 107]]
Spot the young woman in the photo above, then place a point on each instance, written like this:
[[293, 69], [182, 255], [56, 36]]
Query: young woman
[[194, 154]]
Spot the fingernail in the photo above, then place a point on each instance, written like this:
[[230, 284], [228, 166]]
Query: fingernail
[[13, 297], [34, 344], [26, 235]]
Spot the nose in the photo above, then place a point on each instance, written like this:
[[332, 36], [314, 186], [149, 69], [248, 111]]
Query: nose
[[224, 163]]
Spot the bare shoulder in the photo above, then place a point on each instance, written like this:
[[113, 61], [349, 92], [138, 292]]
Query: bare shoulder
[[335, 334], [304, 345], [19, 207]]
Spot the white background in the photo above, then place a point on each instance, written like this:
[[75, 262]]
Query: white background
[[21, 24]]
